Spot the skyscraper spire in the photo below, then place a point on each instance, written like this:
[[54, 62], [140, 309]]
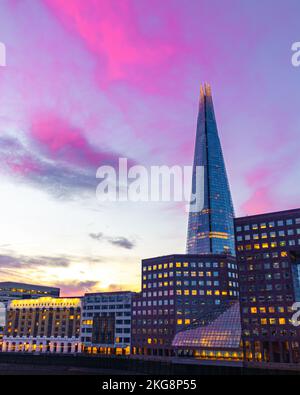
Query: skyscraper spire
[[210, 230]]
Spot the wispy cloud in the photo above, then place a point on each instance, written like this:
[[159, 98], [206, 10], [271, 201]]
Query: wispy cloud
[[55, 157], [20, 261], [118, 241], [77, 287]]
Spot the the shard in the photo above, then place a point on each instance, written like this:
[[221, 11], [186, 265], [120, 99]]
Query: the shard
[[211, 228]]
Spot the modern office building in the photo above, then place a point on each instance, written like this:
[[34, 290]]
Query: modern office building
[[181, 293], [106, 322], [185, 298], [12, 291], [44, 325], [268, 256], [210, 225]]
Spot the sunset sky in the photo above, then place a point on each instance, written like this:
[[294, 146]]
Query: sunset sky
[[89, 81]]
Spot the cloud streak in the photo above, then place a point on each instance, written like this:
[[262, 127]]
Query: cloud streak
[[76, 287], [55, 157], [118, 241], [10, 261]]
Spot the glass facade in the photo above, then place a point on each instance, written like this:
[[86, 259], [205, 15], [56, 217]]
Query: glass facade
[[210, 230], [222, 333]]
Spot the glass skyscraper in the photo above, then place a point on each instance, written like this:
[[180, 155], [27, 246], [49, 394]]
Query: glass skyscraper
[[210, 228]]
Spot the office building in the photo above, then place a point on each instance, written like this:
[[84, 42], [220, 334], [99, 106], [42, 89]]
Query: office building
[[44, 325], [106, 323], [268, 256], [181, 293], [12, 291]]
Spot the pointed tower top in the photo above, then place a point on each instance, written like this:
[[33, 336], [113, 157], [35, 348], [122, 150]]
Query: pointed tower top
[[207, 89]]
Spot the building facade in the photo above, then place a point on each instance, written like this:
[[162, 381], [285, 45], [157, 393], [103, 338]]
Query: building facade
[[210, 225], [106, 323], [180, 292], [44, 325], [268, 256], [12, 291]]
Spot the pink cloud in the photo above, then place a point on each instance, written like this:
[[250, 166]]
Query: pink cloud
[[60, 140], [262, 200], [265, 183], [110, 31]]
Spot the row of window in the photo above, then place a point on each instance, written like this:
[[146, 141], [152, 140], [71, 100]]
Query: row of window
[[107, 299], [187, 283], [187, 274], [271, 224], [273, 244], [107, 314], [266, 310], [107, 307], [266, 332], [266, 266], [171, 265], [120, 340], [267, 277], [267, 298], [266, 288], [269, 235]]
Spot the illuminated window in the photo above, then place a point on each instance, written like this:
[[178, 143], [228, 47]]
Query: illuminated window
[[179, 322], [263, 321], [282, 321], [253, 310], [178, 264], [187, 321]]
